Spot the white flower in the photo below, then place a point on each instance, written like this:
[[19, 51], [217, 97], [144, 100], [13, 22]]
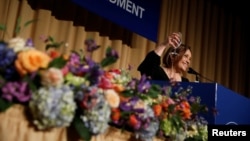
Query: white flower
[[17, 44]]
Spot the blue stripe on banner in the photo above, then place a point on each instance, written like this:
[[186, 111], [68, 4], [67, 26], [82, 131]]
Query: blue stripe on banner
[[139, 16]]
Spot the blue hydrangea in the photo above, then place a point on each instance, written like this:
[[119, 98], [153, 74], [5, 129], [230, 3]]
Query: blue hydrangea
[[96, 119], [7, 58], [7, 55], [53, 107], [151, 127]]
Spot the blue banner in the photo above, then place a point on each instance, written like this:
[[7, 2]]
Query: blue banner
[[139, 16]]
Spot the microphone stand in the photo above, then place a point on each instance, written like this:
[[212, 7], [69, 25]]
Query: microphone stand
[[205, 78], [198, 75], [197, 78]]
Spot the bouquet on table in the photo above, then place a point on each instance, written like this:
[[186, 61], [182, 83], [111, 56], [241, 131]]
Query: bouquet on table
[[149, 110], [74, 90]]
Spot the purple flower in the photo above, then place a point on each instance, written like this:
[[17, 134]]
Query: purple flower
[[16, 91], [94, 68], [86, 68], [91, 45], [143, 87], [44, 38], [166, 90], [132, 83], [112, 53], [128, 106], [192, 99], [29, 43], [74, 63], [74, 59], [150, 131]]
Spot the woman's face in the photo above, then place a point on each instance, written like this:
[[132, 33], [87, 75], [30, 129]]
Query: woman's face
[[184, 63]]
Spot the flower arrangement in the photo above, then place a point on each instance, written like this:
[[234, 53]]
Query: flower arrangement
[[150, 110], [73, 90]]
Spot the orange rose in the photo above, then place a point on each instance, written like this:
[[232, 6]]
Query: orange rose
[[31, 60]]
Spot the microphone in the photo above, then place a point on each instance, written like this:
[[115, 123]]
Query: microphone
[[192, 71], [198, 75]]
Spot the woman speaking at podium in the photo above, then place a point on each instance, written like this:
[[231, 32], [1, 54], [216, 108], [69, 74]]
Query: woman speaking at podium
[[176, 59]]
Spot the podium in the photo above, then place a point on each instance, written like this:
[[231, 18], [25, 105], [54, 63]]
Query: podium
[[226, 107]]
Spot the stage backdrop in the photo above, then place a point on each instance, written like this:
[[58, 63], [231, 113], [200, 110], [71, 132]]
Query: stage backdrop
[[139, 16]]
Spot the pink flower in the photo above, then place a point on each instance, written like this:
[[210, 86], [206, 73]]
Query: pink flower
[[105, 83], [170, 101], [65, 70], [52, 77]]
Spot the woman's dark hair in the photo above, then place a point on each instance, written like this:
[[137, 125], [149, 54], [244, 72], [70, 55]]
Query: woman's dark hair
[[172, 55]]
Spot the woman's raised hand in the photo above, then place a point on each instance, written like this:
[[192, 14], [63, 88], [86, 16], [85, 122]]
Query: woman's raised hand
[[175, 39]]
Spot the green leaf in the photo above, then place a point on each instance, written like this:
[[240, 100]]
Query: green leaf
[[59, 62], [198, 108], [53, 45], [83, 131], [29, 22], [177, 122], [18, 25], [30, 82], [154, 91], [108, 61], [2, 27], [128, 93], [4, 105], [51, 39], [126, 114]]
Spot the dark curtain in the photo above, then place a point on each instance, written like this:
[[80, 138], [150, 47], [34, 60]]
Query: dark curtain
[[67, 10]]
